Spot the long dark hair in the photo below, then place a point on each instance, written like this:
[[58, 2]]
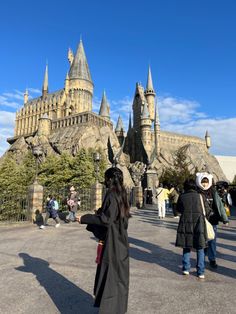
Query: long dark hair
[[115, 182]]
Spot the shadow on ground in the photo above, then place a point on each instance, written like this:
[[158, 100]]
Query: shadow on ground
[[67, 297]]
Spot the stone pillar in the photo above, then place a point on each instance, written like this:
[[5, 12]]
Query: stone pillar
[[96, 196], [151, 179], [35, 198], [137, 196]]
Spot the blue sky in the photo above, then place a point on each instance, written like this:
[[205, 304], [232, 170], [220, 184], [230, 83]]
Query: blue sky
[[190, 45]]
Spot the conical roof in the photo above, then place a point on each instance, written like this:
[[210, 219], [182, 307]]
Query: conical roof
[[79, 68], [149, 80], [119, 126], [104, 109]]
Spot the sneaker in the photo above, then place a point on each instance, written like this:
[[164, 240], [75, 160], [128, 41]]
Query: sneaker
[[57, 225], [201, 276], [42, 227], [176, 217], [185, 272], [213, 264]]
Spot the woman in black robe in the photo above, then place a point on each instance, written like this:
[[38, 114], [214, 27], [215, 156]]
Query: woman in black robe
[[109, 224]]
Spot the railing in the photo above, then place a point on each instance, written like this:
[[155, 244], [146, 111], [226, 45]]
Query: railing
[[62, 195], [13, 208]]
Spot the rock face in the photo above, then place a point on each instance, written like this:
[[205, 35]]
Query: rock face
[[70, 140]]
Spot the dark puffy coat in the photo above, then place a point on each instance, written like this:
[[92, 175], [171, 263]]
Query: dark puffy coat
[[191, 229]]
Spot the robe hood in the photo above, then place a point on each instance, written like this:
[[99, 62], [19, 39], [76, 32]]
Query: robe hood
[[202, 175]]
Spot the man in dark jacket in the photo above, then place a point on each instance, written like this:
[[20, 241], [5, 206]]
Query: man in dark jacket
[[191, 229], [204, 182]]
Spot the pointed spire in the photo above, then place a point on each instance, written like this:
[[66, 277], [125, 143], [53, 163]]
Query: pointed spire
[[119, 126], [26, 96], [79, 68], [45, 83], [149, 86], [145, 113], [105, 108], [70, 56], [130, 123]]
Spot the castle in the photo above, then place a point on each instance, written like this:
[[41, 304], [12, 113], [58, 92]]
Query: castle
[[54, 114]]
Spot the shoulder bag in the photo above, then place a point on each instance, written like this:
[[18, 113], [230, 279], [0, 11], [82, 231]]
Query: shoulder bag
[[210, 233]]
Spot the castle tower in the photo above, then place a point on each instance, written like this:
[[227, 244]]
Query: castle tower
[[146, 133], [26, 96], [208, 140], [70, 56], [119, 130], [104, 108], [44, 127], [80, 80], [150, 94], [45, 83], [157, 132]]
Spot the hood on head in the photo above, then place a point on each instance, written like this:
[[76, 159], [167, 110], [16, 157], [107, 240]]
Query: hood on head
[[202, 175]]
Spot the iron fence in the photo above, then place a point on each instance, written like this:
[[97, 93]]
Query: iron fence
[[13, 208], [62, 196]]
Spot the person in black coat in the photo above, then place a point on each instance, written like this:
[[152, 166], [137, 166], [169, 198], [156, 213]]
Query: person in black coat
[[109, 224], [191, 232]]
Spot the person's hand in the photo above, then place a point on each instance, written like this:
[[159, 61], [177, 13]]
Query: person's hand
[[78, 218]]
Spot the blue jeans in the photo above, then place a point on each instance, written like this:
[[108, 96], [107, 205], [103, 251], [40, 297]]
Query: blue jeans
[[211, 251], [71, 216], [200, 266]]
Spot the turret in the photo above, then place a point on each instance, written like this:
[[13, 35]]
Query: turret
[[119, 130], [80, 80], [146, 133], [208, 140], [67, 84], [44, 127], [150, 94], [70, 56], [45, 83], [104, 108], [157, 132], [26, 96]]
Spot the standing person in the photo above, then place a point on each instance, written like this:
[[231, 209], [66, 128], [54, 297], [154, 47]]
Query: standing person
[[161, 196], [51, 211], [72, 201], [149, 196], [204, 182], [191, 229], [173, 197], [109, 224], [166, 195]]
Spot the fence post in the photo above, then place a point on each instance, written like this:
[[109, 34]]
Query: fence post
[[35, 198], [96, 196]]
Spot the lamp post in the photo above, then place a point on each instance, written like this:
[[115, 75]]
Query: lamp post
[[37, 152], [96, 159]]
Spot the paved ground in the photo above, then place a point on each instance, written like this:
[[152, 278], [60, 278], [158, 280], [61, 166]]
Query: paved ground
[[52, 271]]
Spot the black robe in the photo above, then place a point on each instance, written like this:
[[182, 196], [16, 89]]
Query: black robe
[[112, 278]]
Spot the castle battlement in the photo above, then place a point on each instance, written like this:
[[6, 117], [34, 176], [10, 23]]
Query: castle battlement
[[85, 118]]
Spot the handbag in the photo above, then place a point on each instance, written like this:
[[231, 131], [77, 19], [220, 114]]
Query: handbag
[[210, 233]]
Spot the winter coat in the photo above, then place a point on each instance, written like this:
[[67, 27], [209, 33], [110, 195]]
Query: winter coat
[[112, 277], [74, 197], [191, 229], [173, 196], [50, 206]]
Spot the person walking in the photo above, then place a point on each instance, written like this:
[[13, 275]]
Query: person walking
[[161, 197], [191, 233], [204, 182], [72, 201], [109, 224], [173, 197], [51, 211]]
